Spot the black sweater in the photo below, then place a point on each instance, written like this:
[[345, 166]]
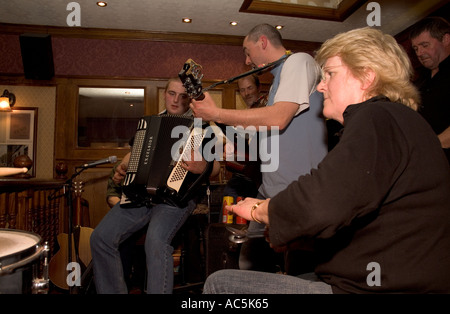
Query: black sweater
[[381, 195], [435, 94]]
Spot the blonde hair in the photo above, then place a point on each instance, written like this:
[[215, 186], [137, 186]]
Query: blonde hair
[[367, 48]]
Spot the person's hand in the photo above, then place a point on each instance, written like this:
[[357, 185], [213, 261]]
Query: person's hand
[[205, 109], [251, 209], [121, 169], [195, 164], [119, 174]]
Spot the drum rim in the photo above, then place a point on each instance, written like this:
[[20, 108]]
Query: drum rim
[[12, 258]]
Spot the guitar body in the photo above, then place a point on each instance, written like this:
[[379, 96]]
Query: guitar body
[[57, 267], [81, 249]]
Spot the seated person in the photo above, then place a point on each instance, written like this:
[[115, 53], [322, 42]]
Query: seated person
[[163, 222]]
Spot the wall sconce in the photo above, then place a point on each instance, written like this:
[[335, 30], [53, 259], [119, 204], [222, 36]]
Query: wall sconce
[[7, 101]]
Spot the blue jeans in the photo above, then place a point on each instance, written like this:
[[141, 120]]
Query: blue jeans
[[232, 281], [119, 224]]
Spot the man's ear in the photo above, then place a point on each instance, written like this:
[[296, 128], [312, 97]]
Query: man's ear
[[263, 39], [446, 41]]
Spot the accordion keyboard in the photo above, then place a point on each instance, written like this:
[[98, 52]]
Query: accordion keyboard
[[138, 143], [178, 173]]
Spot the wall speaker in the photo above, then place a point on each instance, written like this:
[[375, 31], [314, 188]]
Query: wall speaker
[[37, 56]]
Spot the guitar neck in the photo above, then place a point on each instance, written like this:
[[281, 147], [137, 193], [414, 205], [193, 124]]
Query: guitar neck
[[77, 204], [200, 97], [77, 212]]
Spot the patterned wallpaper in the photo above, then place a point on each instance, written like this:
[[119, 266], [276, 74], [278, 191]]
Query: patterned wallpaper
[[10, 60], [133, 58], [128, 58], [44, 98]]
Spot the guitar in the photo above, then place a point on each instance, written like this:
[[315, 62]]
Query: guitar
[[191, 76], [81, 250]]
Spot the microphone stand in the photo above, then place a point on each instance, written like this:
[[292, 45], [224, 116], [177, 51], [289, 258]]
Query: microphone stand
[[253, 71]]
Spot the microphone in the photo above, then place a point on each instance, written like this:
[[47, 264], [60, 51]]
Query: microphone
[[109, 160]]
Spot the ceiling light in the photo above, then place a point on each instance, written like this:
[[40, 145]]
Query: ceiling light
[[102, 4], [187, 20], [279, 27], [233, 23]]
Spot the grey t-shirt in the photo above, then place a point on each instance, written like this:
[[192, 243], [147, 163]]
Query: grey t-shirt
[[302, 144]]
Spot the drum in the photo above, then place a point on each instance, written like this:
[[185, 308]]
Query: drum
[[20, 253]]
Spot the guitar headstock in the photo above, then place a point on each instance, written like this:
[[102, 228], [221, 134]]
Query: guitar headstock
[[78, 188], [191, 77]]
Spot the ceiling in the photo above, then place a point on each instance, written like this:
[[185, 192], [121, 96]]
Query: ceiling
[[209, 16]]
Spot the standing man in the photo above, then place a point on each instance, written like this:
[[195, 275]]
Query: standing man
[[163, 222], [294, 108], [430, 39]]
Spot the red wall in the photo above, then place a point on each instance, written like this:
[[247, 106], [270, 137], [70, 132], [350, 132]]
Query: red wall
[[127, 58], [133, 58]]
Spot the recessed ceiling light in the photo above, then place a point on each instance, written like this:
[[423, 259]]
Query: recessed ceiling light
[[279, 27], [187, 20], [102, 4], [233, 23]]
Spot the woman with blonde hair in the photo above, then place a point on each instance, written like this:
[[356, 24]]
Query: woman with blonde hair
[[378, 205], [369, 49]]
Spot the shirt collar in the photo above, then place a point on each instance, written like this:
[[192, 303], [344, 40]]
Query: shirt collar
[[352, 107]]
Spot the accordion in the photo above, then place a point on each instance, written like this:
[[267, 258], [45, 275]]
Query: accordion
[[154, 173]]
